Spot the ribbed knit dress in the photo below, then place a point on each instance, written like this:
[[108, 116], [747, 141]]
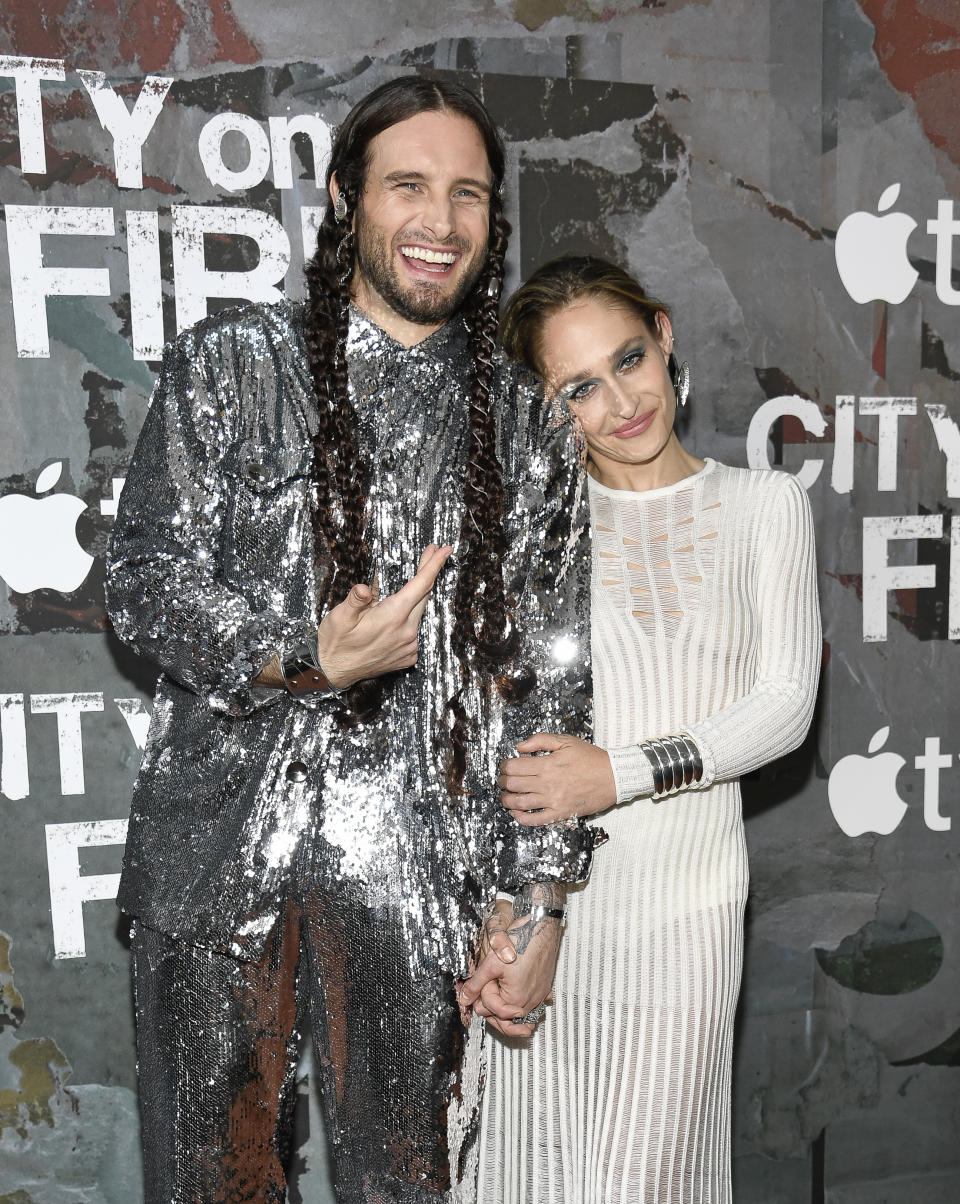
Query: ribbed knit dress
[[704, 620]]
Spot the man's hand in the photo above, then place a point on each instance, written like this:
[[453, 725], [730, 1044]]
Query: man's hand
[[518, 957], [570, 777], [367, 637]]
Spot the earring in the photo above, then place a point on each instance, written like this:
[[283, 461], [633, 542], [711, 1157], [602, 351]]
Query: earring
[[680, 376], [340, 207]]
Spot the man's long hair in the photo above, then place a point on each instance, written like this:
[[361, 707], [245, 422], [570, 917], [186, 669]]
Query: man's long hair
[[482, 634]]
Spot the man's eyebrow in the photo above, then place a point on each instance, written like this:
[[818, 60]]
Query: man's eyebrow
[[395, 176], [480, 185]]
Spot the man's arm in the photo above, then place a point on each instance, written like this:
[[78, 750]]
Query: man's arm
[[365, 637], [165, 589], [547, 572], [167, 592]]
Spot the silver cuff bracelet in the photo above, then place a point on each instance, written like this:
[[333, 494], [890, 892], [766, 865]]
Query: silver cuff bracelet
[[676, 764], [302, 673]]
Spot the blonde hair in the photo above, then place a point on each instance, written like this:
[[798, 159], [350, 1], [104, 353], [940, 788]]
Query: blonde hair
[[560, 283]]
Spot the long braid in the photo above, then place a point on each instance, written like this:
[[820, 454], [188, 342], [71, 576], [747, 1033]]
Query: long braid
[[483, 636], [339, 475], [353, 554]]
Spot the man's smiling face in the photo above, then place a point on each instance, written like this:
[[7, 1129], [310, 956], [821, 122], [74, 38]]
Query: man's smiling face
[[423, 221]]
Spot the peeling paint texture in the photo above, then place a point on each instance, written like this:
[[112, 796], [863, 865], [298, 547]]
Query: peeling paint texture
[[59, 1143], [718, 148]]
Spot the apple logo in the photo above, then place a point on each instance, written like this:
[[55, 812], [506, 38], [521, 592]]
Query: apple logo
[[38, 540], [871, 253], [863, 790]]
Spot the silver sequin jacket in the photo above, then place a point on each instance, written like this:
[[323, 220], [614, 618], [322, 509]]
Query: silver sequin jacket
[[213, 571]]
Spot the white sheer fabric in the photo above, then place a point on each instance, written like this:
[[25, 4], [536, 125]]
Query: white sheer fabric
[[704, 620]]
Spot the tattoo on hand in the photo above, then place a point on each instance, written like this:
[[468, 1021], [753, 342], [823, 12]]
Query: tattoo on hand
[[532, 894], [521, 934]]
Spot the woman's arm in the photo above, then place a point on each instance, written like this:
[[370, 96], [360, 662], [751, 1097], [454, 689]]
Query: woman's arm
[[769, 721]]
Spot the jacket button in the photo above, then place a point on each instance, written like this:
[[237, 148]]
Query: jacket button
[[256, 471], [297, 772]]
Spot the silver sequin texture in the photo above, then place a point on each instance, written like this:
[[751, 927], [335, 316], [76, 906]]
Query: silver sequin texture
[[213, 571]]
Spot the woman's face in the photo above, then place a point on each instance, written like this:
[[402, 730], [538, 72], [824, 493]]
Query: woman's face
[[610, 369]]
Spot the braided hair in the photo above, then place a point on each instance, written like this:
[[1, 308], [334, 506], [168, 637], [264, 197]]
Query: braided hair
[[482, 636]]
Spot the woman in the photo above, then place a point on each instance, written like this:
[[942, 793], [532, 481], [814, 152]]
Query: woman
[[706, 646]]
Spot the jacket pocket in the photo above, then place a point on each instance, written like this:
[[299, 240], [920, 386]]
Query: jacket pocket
[[267, 544]]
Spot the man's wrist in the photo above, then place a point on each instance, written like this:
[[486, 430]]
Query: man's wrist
[[271, 675], [302, 673], [540, 901]]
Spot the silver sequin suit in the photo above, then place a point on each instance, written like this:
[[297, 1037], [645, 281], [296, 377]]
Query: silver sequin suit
[[213, 570]]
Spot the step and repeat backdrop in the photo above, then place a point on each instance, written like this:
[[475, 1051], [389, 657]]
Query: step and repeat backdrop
[[784, 175]]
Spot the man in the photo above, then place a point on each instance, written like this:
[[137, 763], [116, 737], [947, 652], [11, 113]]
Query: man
[[315, 825]]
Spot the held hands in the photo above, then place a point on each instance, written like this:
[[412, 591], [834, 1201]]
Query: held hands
[[367, 637], [518, 957], [569, 777]]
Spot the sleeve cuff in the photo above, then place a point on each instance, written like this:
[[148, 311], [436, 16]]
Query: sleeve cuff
[[556, 852], [257, 644], [632, 774]]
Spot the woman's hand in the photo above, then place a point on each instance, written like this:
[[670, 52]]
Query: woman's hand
[[569, 777]]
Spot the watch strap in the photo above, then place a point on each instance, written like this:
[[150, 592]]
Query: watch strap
[[302, 673]]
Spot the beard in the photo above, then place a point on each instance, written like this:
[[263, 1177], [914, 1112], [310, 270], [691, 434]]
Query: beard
[[422, 302]]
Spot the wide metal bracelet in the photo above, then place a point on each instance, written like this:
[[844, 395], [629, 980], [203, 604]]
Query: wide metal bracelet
[[540, 912], [675, 762], [302, 674]]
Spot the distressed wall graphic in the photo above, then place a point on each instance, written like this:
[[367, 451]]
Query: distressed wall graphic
[[787, 177]]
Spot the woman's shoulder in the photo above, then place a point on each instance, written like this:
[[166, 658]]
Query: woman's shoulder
[[762, 499], [764, 484]]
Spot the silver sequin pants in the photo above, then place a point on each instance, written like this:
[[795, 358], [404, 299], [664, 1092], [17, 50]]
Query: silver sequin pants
[[217, 1052]]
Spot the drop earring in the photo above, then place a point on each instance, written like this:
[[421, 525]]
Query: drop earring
[[680, 378], [340, 207]]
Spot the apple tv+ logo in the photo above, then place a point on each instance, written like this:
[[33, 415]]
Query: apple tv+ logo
[[38, 540], [871, 252], [863, 791]]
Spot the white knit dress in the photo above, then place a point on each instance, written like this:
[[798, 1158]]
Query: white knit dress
[[704, 621]]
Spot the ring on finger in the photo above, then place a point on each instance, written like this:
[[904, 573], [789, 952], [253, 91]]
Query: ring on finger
[[534, 1016]]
